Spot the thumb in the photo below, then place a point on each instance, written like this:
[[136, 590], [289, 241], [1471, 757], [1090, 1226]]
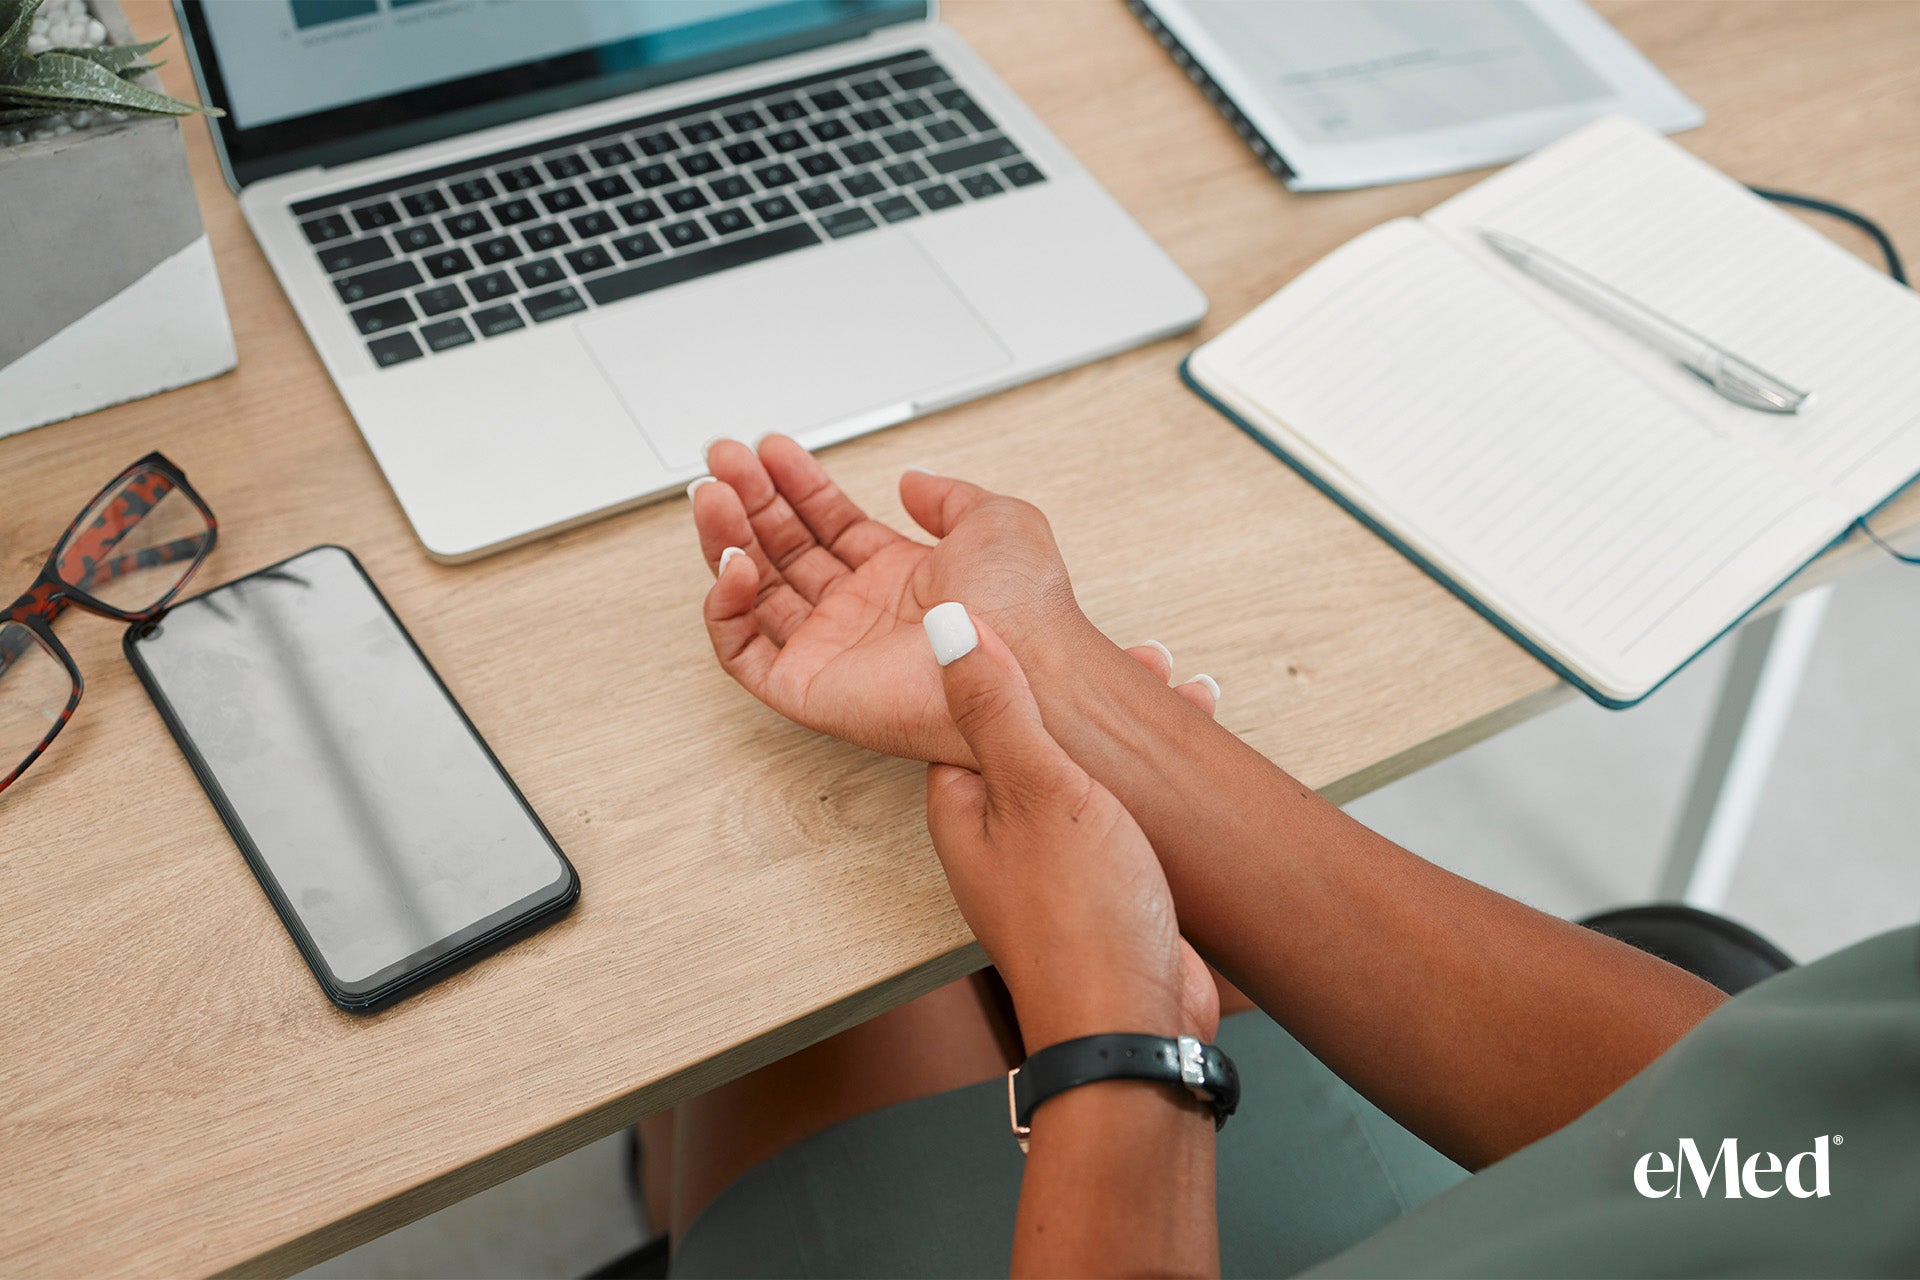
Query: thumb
[[992, 704], [937, 503]]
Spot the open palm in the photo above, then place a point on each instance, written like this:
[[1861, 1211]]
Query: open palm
[[820, 618]]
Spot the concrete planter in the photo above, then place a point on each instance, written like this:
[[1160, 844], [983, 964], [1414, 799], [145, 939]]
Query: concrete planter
[[107, 285]]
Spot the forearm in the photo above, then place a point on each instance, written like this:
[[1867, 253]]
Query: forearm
[[1119, 1181], [1478, 1022]]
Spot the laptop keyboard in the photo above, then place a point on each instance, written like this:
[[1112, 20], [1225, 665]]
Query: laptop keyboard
[[445, 258]]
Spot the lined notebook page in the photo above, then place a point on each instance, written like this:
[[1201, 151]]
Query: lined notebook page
[[1639, 212], [1607, 520]]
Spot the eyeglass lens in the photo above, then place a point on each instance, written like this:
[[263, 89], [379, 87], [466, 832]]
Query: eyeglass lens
[[135, 544], [35, 688]]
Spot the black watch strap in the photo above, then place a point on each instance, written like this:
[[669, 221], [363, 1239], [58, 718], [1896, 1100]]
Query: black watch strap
[[1181, 1061]]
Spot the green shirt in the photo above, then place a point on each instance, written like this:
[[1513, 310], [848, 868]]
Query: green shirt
[[1823, 1060]]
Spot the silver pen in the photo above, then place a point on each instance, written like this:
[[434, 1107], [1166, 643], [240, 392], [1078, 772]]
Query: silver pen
[[1740, 381]]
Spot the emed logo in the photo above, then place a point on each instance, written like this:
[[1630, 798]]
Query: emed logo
[[1736, 1177]]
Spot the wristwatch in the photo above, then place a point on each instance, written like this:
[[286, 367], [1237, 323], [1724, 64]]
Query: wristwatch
[[1203, 1069]]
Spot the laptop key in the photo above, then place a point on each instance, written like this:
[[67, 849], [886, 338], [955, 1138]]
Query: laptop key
[[687, 199], [551, 306], [595, 223], [473, 190], [495, 321], [451, 262], [745, 152], [904, 141], [422, 203], [906, 173], [499, 249], [1022, 173], [820, 164], [730, 187], [746, 121], [945, 131], [395, 348], [869, 90], [700, 133], [638, 211], [394, 313], [417, 238], [820, 197], [493, 285], [371, 284], [774, 208], [787, 109], [847, 222], [609, 154], [521, 178], [972, 154], [912, 109], [726, 222], [863, 184], [786, 140], [463, 225], [649, 276], [698, 164], [548, 235], [896, 208], [446, 334], [938, 196], [588, 260], [682, 234], [830, 130], [330, 227], [638, 245], [540, 272], [654, 175], [336, 258], [862, 152], [953, 98], [830, 100], [775, 175], [372, 217], [609, 186], [658, 144], [981, 185], [563, 199], [560, 168], [439, 300], [919, 77], [872, 118], [515, 211]]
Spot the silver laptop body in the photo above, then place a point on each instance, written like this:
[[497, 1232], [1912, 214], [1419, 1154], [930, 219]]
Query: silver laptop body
[[538, 322]]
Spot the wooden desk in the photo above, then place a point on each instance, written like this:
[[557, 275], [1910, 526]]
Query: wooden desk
[[176, 1094]]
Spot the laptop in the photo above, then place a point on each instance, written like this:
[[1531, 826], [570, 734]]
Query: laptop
[[548, 249]]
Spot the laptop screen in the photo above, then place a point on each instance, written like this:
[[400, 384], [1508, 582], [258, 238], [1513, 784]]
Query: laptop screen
[[328, 81]]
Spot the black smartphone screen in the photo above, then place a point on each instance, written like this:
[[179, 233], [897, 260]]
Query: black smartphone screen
[[389, 838]]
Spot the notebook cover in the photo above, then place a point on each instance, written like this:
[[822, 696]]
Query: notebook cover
[[1474, 602]]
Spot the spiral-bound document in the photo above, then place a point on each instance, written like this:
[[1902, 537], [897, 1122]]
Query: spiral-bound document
[[1601, 504]]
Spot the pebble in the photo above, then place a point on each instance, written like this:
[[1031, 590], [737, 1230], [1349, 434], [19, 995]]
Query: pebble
[[62, 24]]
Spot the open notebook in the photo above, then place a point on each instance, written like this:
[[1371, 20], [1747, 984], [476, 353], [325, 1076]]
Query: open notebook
[[1590, 496]]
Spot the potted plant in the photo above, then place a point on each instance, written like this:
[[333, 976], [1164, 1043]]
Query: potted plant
[[107, 284]]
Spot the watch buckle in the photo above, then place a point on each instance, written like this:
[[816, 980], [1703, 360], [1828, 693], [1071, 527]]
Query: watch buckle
[[1193, 1069], [1022, 1133]]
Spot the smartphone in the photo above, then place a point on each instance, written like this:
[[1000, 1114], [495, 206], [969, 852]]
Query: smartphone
[[390, 840]]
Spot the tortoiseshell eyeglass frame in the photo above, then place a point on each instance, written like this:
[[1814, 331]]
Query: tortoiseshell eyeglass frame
[[84, 557]]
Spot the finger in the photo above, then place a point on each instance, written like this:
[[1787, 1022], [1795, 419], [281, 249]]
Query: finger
[[1203, 691], [721, 522], [1155, 658], [789, 545], [835, 520], [993, 707], [937, 503], [956, 804], [733, 627]]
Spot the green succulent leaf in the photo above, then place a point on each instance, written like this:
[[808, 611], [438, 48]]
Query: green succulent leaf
[[117, 58], [15, 115], [16, 24], [69, 79]]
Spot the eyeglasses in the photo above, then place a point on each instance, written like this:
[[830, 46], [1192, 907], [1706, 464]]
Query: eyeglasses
[[126, 556]]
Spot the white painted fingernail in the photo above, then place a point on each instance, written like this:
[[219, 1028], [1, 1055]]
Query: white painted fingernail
[[1164, 651], [697, 483], [950, 631], [727, 555], [1213, 686], [922, 470]]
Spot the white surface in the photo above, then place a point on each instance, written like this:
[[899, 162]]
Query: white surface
[[1355, 93], [165, 330]]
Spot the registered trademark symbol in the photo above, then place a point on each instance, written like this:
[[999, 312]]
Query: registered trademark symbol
[[1837, 1139]]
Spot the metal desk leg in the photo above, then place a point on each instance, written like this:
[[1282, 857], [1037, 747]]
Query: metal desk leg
[[1769, 656]]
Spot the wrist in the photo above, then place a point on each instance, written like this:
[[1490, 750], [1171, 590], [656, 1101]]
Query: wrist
[[1052, 1021]]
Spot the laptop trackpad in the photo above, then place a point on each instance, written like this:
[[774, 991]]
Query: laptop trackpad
[[797, 343]]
